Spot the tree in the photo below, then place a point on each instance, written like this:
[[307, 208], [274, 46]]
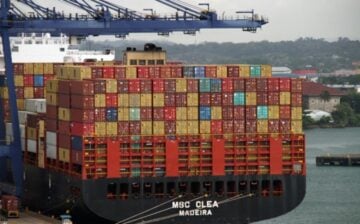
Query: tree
[[345, 116]]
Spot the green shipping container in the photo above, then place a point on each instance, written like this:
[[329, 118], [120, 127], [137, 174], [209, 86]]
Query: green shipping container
[[255, 71]]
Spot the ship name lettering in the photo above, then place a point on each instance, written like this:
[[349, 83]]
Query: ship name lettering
[[195, 212], [181, 204], [206, 204]]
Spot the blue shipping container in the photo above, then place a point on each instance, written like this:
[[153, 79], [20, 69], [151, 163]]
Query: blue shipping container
[[262, 112], [239, 98], [134, 114], [205, 113], [204, 85], [38, 80], [111, 114], [199, 71], [188, 71], [76, 143], [215, 85]]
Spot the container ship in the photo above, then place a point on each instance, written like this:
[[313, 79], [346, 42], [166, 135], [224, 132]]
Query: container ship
[[150, 141]]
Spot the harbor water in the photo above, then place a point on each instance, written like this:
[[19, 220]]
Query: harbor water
[[333, 193]]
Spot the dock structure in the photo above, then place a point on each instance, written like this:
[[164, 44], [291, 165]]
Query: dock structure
[[338, 160]]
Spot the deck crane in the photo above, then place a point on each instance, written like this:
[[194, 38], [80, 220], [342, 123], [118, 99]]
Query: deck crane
[[111, 19]]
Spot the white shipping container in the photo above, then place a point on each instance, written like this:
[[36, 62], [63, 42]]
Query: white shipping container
[[31, 145], [23, 115], [51, 138], [51, 151], [9, 131], [35, 105]]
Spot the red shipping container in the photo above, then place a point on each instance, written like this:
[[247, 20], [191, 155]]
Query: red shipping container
[[108, 72], [176, 72], [296, 99], [250, 126], [239, 85], [82, 102], [262, 98], [39, 92], [123, 128], [216, 127], [296, 85], [119, 72], [100, 114], [51, 124], [123, 86], [170, 100], [192, 85], [239, 112], [262, 85], [145, 86], [81, 115], [273, 126], [64, 140], [273, 98], [181, 99], [146, 113], [99, 86], [250, 112], [82, 129], [165, 72], [284, 126], [154, 72], [170, 127], [170, 113], [9, 203], [216, 99], [205, 99], [142, 72], [228, 113], [211, 71], [227, 99], [76, 157], [285, 112], [64, 100], [134, 86], [239, 126], [96, 72], [18, 68], [28, 80], [64, 86], [170, 85], [111, 100], [19, 91], [273, 84], [284, 84], [250, 84], [158, 113], [228, 127], [135, 127], [227, 85], [51, 112], [83, 87], [232, 71], [158, 86], [64, 127]]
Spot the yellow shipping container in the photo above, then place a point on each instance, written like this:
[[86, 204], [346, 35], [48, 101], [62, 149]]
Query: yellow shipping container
[[181, 86], [296, 113], [100, 100], [38, 68], [31, 133], [181, 127], [64, 114], [131, 72], [192, 99], [80, 72], [134, 100], [193, 127], [145, 100], [123, 100], [28, 68], [28, 92], [158, 128], [250, 99], [52, 99], [262, 126], [19, 80], [221, 71], [52, 85], [4, 93], [123, 114], [57, 71], [146, 128], [111, 86], [181, 113], [244, 71], [205, 127], [41, 158], [158, 100], [20, 104], [100, 129], [285, 98], [48, 68], [296, 127], [193, 113], [64, 155], [111, 129], [266, 71], [274, 112], [216, 113], [41, 128]]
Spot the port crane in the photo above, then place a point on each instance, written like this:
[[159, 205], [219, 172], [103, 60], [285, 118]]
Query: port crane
[[92, 17]]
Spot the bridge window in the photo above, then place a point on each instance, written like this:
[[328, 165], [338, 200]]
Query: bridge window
[[242, 187], [159, 62], [151, 62], [133, 62], [265, 188], [219, 188], [207, 187], [62, 49], [254, 187], [183, 187], [142, 62], [195, 187], [124, 191], [147, 189], [15, 49], [231, 188], [170, 189], [159, 190], [277, 188], [111, 191], [135, 189]]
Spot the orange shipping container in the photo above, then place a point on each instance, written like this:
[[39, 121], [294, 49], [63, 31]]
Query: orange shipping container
[[19, 80], [285, 98], [262, 126], [28, 92], [145, 100], [250, 99], [205, 127], [244, 71], [266, 71], [221, 71], [64, 155]]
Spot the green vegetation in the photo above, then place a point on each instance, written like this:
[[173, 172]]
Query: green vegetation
[[344, 116], [352, 80]]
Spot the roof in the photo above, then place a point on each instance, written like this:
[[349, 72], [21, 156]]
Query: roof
[[316, 89]]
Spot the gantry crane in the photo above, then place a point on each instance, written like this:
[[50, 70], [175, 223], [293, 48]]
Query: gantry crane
[[93, 17]]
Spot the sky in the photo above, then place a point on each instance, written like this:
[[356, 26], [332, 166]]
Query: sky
[[288, 20]]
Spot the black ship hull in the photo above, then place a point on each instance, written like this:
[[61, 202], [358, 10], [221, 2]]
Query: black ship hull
[[189, 200]]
